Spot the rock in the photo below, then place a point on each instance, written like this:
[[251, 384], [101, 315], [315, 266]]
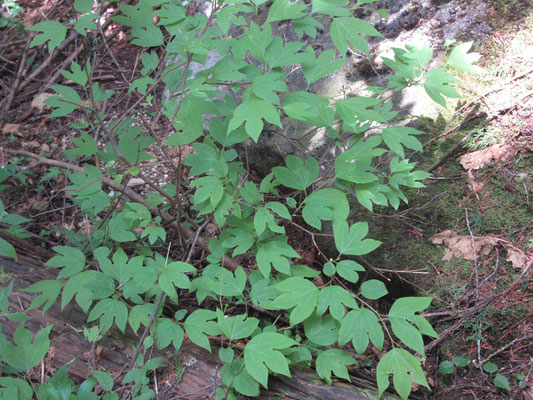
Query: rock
[[414, 21]]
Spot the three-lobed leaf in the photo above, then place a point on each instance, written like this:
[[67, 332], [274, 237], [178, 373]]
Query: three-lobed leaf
[[25, 353], [359, 326], [199, 324], [297, 175], [403, 321], [333, 361], [297, 292], [53, 32], [262, 354], [404, 367]]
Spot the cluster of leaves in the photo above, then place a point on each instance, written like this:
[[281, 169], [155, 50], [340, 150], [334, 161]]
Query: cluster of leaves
[[448, 367], [130, 287]]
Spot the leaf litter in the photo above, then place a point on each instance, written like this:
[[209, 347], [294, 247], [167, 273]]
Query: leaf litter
[[461, 246]]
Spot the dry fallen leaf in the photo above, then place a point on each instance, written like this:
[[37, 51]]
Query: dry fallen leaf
[[38, 102], [516, 257], [480, 158], [11, 129], [461, 246]]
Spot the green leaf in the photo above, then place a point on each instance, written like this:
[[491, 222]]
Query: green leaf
[[282, 10], [136, 375], [120, 228], [404, 367], [321, 331], [264, 218], [245, 384], [329, 269], [349, 240], [280, 56], [170, 15], [373, 289], [87, 286], [226, 355], [154, 233], [335, 298], [7, 250], [50, 291], [256, 40], [446, 367], [150, 61], [348, 269], [241, 239], [331, 7], [309, 108], [402, 316], [297, 175], [221, 282], [237, 327], [501, 382], [85, 22], [208, 188], [78, 75], [334, 361], [252, 113], [86, 146], [419, 54], [306, 25], [323, 205], [349, 29], [52, 31], [100, 94], [299, 293], [166, 331], [189, 124], [66, 103], [173, 276], [105, 380], [109, 310], [460, 59], [204, 158], [120, 268], [141, 313], [199, 324], [148, 36], [69, 257], [490, 367], [16, 388], [355, 164], [359, 326], [263, 86], [25, 353], [261, 354], [83, 6], [275, 253], [396, 137], [437, 85], [461, 362], [316, 68], [4, 297], [356, 111]]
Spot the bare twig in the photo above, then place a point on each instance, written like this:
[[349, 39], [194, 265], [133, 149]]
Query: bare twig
[[20, 70], [187, 232], [525, 338]]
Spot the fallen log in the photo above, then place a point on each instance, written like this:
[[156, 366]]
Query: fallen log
[[192, 373]]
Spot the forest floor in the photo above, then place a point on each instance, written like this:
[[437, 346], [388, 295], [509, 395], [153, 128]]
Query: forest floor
[[466, 239]]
